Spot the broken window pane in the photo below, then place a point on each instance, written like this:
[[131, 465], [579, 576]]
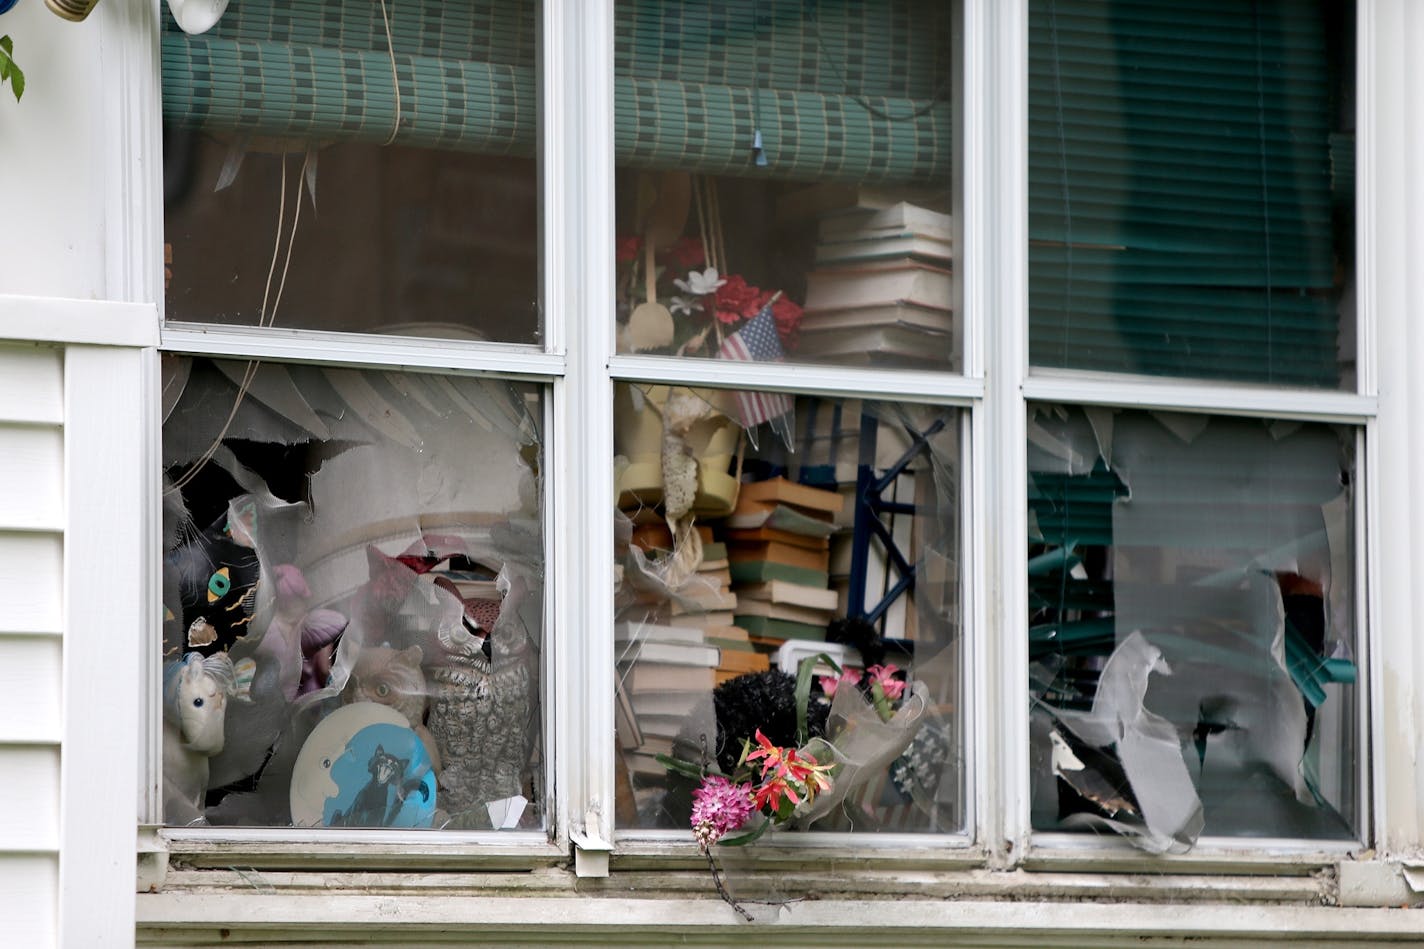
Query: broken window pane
[[742, 552], [1192, 625], [353, 594]]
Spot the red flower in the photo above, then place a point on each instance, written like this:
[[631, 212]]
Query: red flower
[[687, 253], [737, 300], [787, 314], [627, 249]]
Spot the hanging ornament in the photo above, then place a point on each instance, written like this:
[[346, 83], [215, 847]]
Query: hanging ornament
[[75, 10], [197, 16]]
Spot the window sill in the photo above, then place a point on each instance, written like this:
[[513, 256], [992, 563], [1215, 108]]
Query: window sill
[[244, 913], [298, 874], [368, 850], [1070, 853]]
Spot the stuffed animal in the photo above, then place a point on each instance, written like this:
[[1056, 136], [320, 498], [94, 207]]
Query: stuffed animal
[[393, 677], [195, 696], [297, 637], [217, 576]]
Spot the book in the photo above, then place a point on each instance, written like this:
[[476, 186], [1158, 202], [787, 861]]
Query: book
[[936, 318], [668, 726], [681, 654], [896, 245], [730, 645], [655, 701], [783, 591], [471, 587], [760, 571], [768, 628], [657, 744], [666, 677], [821, 541], [720, 575], [789, 492], [752, 515], [702, 621], [655, 632], [746, 661], [787, 554], [786, 611], [728, 633], [714, 551], [828, 196], [695, 598], [879, 284], [914, 343], [900, 217]]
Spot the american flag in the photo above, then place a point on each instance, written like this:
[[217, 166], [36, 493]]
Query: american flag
[[757, 340]]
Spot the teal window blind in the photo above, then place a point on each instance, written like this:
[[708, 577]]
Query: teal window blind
[[321, 71], [1181, 191], [842, 90], [851, 91]]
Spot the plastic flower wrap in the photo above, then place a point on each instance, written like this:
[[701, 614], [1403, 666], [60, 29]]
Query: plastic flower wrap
[[872, 720]]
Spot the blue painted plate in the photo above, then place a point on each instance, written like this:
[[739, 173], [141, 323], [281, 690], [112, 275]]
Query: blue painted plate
[[363, 766]]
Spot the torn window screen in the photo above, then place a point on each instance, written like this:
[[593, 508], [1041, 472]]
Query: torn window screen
[[1192, 635], [353, 589], [741, 550]]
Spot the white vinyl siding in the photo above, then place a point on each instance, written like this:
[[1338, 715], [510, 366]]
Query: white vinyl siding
[[31, 575]]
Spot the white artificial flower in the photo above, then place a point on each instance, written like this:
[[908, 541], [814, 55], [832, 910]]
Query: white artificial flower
[[700, 284], [684, 305]]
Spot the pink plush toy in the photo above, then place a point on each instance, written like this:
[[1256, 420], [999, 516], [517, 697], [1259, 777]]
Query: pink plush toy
[[300, 640]]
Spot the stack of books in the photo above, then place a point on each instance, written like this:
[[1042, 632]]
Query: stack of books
[[719, 627], [882, 289], [706, 600], [664, 672], [778, 542]]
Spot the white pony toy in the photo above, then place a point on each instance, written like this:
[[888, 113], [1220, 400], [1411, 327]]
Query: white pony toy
[[195, 695]]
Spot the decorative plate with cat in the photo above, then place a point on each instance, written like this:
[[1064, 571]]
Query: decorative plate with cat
[[363, 766]]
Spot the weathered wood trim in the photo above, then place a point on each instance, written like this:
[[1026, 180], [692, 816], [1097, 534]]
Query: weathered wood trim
[[250, 916]]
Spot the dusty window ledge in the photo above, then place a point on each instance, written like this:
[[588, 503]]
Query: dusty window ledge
[[261, 918], [1063, 852], [829, 850], [818, 883], [374, 851]]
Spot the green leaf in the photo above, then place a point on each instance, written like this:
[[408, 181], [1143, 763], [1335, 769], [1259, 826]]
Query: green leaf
[[8, 69], [741, 840], [681, 767], [804, 673]]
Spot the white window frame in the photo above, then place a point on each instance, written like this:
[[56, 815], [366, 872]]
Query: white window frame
[[579, 365], [1019, 384]]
